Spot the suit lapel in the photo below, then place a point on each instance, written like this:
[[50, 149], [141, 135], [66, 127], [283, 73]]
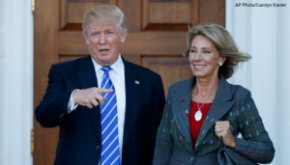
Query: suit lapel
[[219, 108], [86, 73], [87, 77], [133, 85], [181, 107]]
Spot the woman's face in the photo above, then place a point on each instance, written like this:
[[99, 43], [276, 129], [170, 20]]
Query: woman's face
[[204, 59]]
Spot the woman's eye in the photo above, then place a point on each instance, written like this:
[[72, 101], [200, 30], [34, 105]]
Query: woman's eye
[[192, 51], [206, 52]]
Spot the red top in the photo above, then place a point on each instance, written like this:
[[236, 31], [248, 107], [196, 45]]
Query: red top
[[194, 125]]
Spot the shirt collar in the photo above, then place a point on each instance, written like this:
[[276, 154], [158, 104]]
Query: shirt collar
[[117, 66]]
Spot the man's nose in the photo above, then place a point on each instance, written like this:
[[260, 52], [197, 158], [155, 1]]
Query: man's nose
[[103, 39]]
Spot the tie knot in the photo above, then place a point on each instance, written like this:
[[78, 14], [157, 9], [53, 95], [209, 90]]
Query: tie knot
[[106, 69]]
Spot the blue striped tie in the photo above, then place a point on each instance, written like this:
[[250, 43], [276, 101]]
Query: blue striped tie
[[110, 153]]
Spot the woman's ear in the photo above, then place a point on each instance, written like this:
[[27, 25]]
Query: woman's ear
[[221, 61]]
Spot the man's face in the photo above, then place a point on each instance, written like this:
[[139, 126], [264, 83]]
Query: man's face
[[104, 39]]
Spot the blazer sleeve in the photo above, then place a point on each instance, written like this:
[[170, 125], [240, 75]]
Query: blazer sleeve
[[158, 101], [55, 101], [255, 142], [163, 146]]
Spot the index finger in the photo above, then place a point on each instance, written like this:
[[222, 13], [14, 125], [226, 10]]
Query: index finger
[[104, 90], [222, 122]]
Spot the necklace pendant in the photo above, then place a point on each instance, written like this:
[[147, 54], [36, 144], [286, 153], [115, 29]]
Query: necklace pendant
[[198, 115]]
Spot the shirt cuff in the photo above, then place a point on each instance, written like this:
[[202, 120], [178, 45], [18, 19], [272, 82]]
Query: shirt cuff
[[71, 104]]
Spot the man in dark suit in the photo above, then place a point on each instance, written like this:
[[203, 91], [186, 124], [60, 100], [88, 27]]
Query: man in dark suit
[[75, 96]]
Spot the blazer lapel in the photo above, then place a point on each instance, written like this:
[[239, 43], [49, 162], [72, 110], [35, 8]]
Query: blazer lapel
[[133, 85], [180, 109], [219, 108], [87, 77]]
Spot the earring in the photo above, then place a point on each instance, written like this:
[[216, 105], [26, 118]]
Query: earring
[[220, 64]]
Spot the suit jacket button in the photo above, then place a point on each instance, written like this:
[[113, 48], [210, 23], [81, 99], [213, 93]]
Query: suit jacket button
[[192, 158], [98, 147]]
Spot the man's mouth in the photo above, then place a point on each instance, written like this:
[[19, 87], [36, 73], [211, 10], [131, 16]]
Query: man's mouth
[[104, 51]]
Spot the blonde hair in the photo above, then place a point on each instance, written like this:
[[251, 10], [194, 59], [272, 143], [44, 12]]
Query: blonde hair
[[224, 44], [104, 12]]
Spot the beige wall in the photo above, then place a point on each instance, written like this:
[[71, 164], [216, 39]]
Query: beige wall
[[264, 33], [16, 61]]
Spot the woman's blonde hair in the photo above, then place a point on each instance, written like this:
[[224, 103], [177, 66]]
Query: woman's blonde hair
[[224, 44]]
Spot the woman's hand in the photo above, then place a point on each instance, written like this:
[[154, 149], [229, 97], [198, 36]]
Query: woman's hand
[[223, 131]]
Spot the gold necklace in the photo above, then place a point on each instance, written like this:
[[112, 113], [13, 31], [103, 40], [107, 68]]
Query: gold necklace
[[198, 113]]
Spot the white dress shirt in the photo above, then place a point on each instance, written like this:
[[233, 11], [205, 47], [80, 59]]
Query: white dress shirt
[[117, 75]]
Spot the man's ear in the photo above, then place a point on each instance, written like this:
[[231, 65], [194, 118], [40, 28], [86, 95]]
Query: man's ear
[[123, 36], [86, 38]]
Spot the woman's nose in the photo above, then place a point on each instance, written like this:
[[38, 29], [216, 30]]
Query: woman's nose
[[197, 55]]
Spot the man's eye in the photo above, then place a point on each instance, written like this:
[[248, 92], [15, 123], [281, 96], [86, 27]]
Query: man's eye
[[95, 34], [110, 32]]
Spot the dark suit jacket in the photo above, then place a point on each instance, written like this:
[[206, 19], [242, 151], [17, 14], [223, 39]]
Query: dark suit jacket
[[80, 137], [233, 103]]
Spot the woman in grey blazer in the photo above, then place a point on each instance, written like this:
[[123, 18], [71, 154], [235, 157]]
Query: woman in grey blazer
[[206, 120]]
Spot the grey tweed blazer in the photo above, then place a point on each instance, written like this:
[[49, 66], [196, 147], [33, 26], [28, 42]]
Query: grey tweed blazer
[[233, 103]]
